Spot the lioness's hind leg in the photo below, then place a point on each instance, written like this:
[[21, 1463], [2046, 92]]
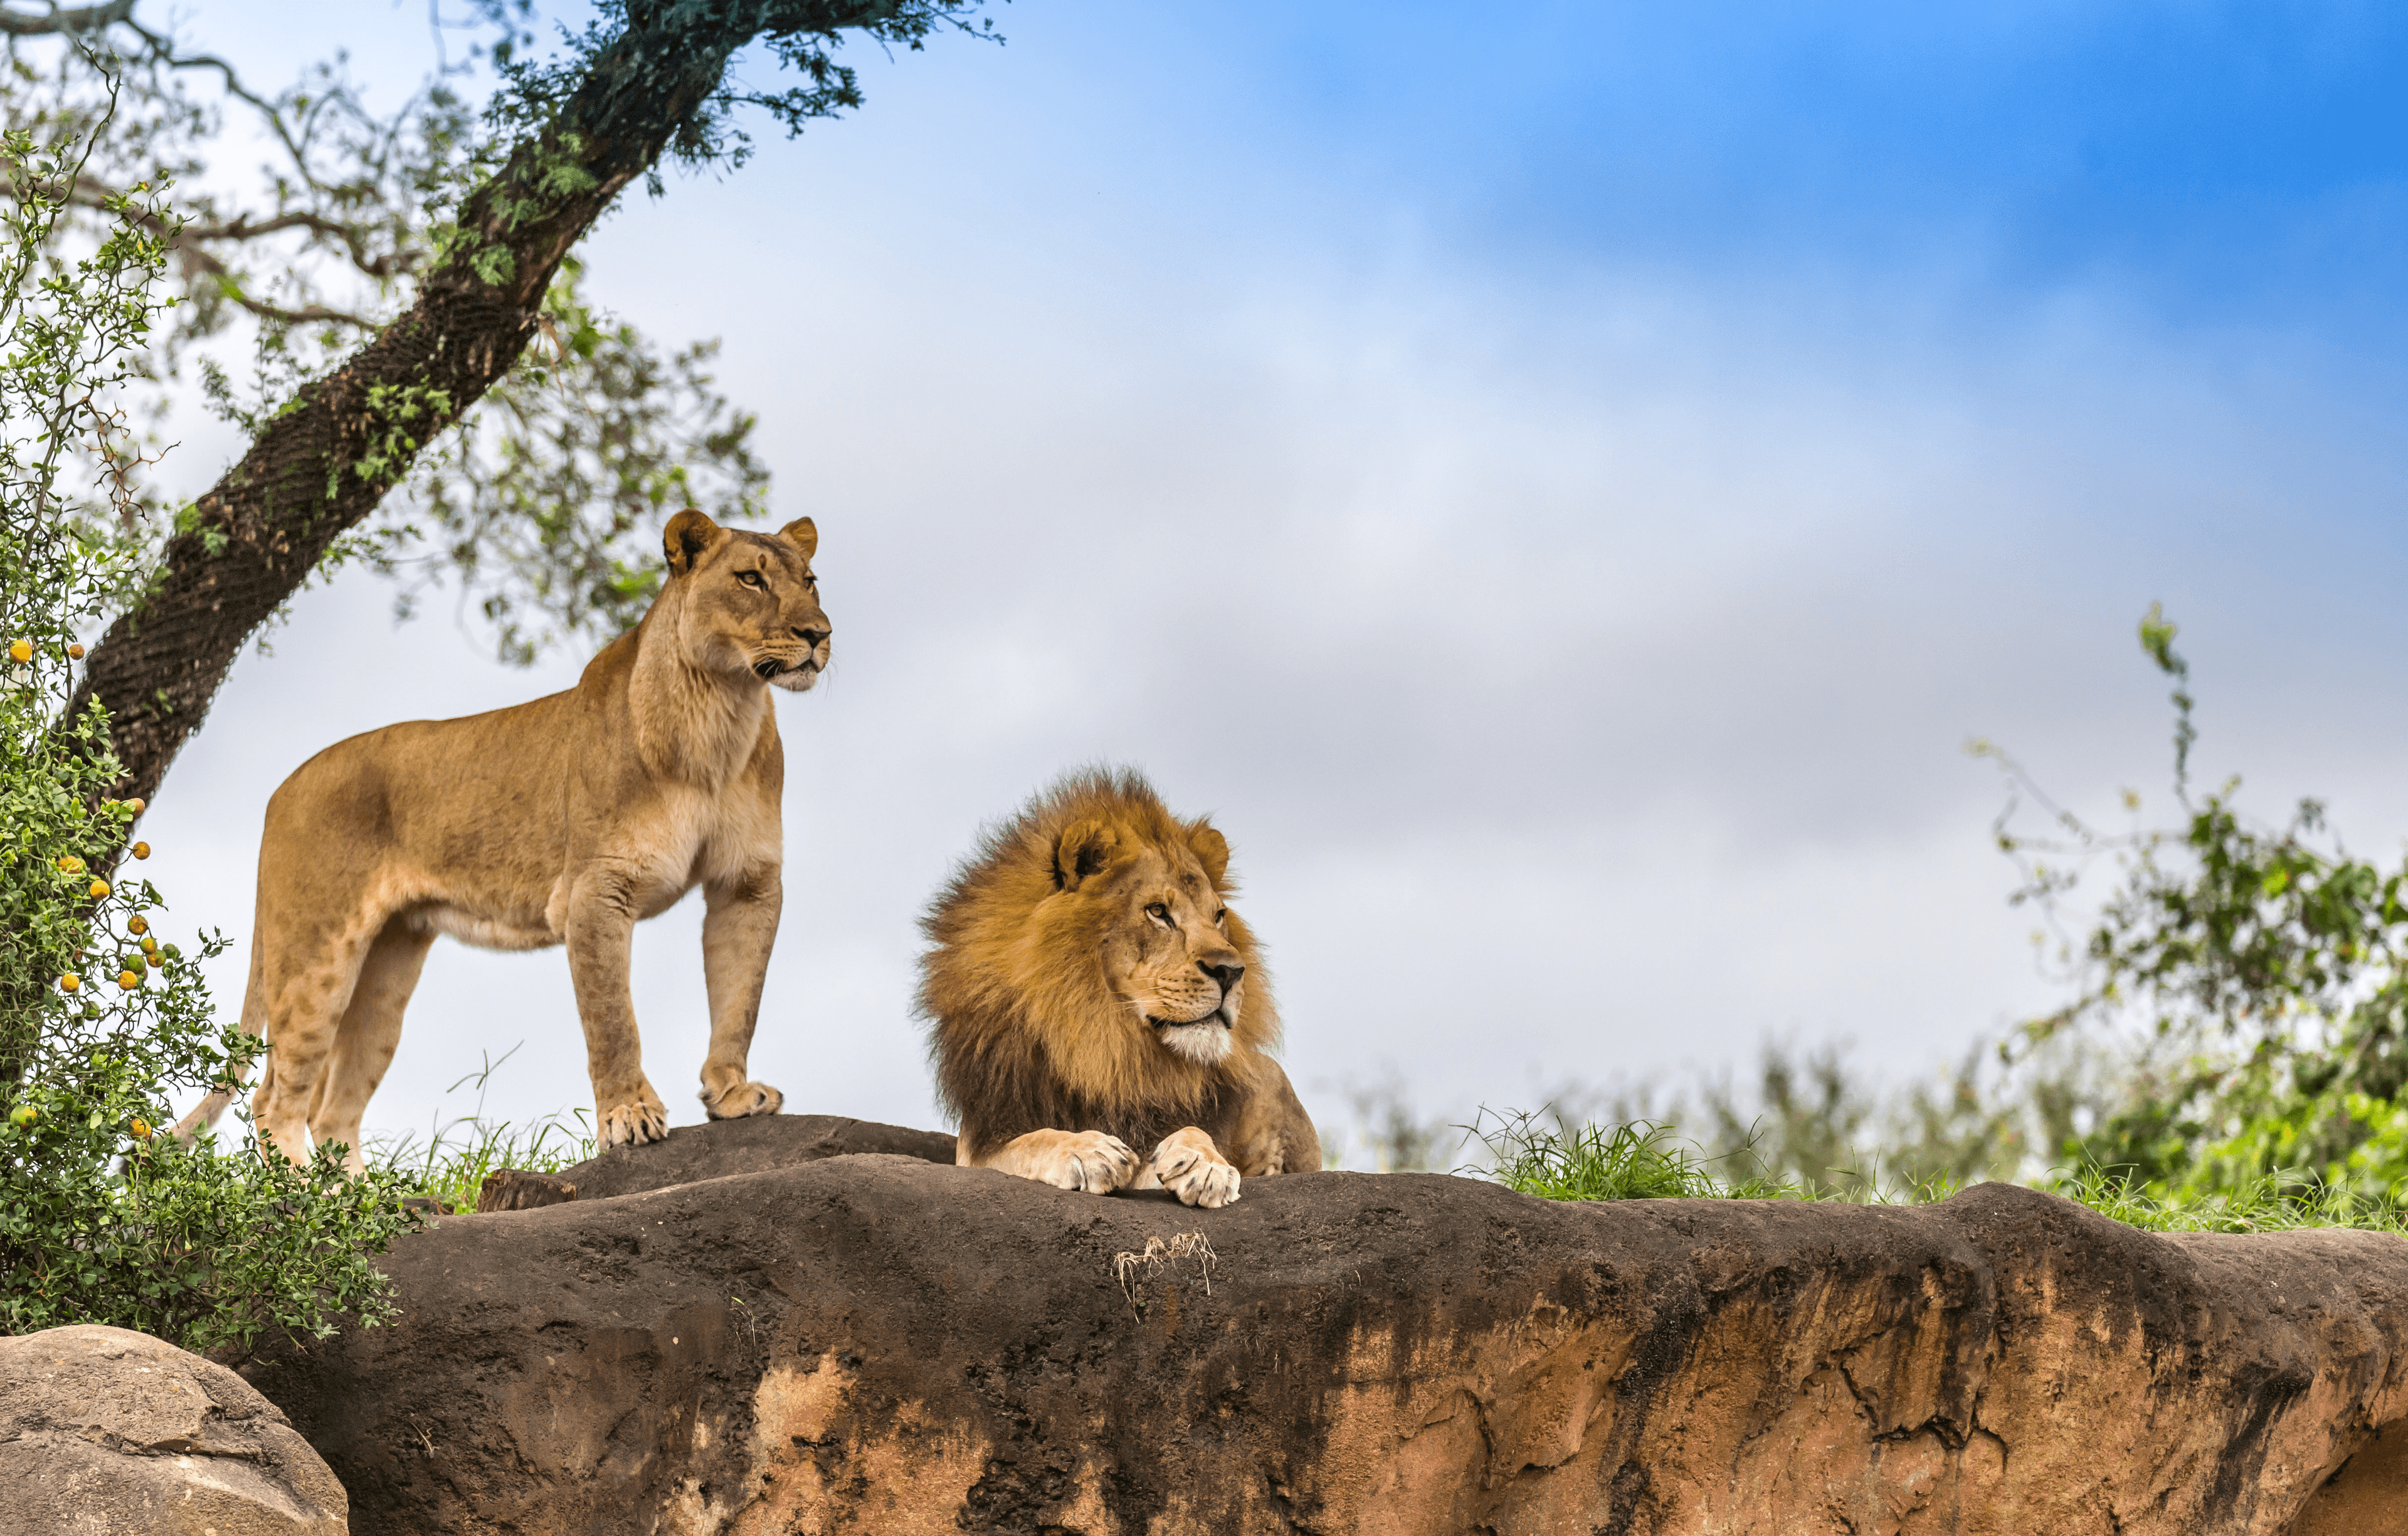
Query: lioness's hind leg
[[365, 1039], [311, 963]]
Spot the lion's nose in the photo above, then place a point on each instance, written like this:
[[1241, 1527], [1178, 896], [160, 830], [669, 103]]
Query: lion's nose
[[1228, 976], [810, 637]]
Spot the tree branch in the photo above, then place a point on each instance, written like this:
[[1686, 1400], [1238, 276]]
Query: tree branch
[[325, 460], [16, 24]]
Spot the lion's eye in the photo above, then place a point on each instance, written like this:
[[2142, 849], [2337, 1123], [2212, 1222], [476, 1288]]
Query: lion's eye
[[1222, 916], [1159, 913], [751, 578]]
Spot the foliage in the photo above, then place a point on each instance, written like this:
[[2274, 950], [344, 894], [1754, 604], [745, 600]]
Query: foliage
[[101, 1021], [450, 1167], [1635, 1161], [2254, 972], [1640, 1159], [541, 506], [802, 38]]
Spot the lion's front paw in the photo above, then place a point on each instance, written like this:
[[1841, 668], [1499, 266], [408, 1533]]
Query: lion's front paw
[[634, 1122], [1089, 1161], [1190, 1167], [743, 1100]]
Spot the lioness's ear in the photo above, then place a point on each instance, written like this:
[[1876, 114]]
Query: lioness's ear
[[688, 534], [1084, 849], [803, 534], [1212, 847]]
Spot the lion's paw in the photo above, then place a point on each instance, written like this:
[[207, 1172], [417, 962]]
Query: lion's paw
[[743, 1100], [1190, 1167], [1088, 1161], [634, 1124]]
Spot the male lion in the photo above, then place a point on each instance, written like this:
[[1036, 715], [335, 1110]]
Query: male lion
[[1091, 992], [567, 820]]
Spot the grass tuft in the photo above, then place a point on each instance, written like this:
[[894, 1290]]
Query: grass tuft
[[452, 1164], [1642, 1160]]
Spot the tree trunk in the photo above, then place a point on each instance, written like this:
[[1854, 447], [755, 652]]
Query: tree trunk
[[325, 462]]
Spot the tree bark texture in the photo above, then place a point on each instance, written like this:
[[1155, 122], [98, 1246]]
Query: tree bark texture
[[325, 462]]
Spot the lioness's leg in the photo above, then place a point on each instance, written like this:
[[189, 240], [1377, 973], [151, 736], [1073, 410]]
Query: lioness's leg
[[1067, 1160], [306, 980], [739, 923], [601, 925], [365, 1040], [1190, 1167]]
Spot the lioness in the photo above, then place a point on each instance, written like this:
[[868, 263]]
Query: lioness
[[1090, 993], [567, 820]]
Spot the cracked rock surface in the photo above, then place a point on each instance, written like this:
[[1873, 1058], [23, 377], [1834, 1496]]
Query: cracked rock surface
[[106, 1432], [877, 1342]]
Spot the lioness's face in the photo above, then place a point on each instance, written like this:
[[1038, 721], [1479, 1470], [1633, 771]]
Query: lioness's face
[[1170, 955], [752, 603]]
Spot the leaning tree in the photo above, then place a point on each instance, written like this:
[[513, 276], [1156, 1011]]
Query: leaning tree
[[468, 225]]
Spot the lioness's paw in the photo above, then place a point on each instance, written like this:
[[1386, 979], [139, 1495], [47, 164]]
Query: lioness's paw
[[1088, 1161], [1190, 1167], [632, 1125], [743, 1100]]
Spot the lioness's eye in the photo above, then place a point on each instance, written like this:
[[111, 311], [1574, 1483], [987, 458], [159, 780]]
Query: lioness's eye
[[1158, 912], [750, 579]]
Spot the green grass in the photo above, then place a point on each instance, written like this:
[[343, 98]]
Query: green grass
[[1642, 1160], [2271, 1204], [451, 1165]]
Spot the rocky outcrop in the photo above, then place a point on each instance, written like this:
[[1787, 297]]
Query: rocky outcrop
[[105, 1431], [878, 1342]]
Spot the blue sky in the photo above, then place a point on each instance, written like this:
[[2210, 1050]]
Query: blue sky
[[1562, 491]]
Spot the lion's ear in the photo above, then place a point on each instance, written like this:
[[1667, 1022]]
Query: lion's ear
[[688, 534], [803, 534], [1212, 847], [1085, 850]]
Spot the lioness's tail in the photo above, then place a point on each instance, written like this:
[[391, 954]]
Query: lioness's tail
[[254, 1014]]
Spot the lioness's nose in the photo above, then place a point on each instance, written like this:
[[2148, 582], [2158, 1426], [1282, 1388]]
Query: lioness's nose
[[1226, 975], [809, 636]]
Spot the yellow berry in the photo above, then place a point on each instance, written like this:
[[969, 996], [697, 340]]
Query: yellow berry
[[69, 982], [99, 889], [134, 806], [21, 650], [75, 653], [138, 925], [128, 979], [70, 863], [150, 946], [24, 1113], [140, 850], [141, 1128]]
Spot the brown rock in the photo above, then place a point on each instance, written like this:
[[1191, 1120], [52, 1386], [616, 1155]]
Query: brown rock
[[517, 1190], [873, 1342], [105, 1431], [749, 1146]]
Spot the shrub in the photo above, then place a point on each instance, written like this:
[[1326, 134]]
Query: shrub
[[101, 1021]]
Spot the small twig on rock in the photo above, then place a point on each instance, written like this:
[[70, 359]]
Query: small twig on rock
[[1156, 1253]]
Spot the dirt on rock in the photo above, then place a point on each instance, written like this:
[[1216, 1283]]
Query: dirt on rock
[[876, 1341]]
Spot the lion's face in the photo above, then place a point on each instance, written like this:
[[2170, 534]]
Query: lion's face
[[750, 602], [1169, 954]]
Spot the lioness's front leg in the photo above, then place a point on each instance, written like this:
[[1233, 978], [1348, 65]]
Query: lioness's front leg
[[1190, 1167], [601, 928], [739, 924], [1067, 1160]]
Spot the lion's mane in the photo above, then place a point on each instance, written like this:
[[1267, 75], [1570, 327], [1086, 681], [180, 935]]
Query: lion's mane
[[1025, 1032]]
